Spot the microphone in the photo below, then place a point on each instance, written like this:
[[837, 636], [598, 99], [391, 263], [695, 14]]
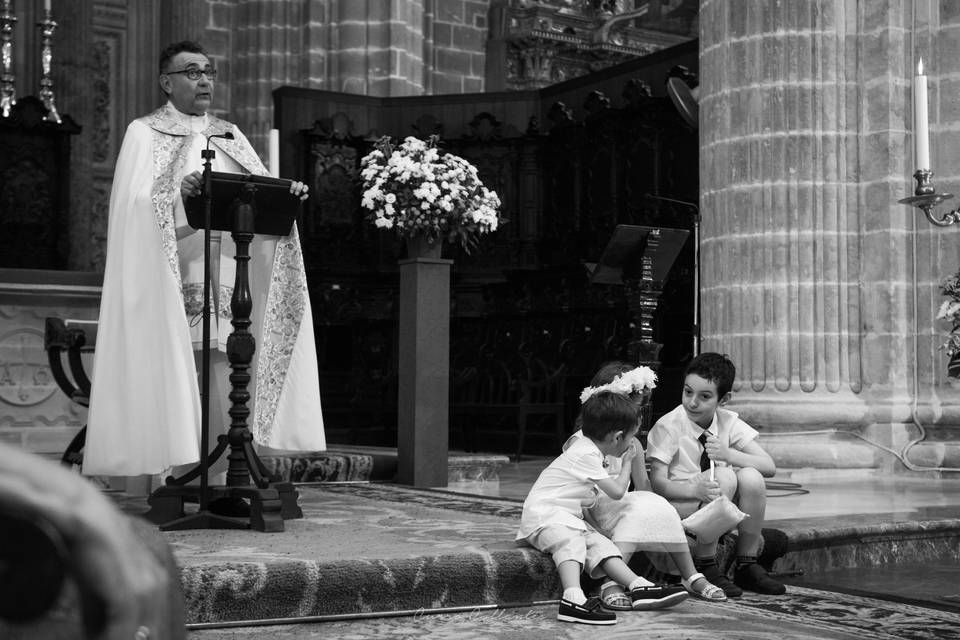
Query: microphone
[[207, 154], [226, 136]]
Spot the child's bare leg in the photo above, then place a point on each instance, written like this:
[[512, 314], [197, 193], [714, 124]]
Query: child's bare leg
[[618, 570], [626, 550], [684, 562], [727, 480], [569, 571], [752, 499], [705, 554]]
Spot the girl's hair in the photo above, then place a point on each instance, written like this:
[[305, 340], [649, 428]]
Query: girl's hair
[[607, 412], [604, 375], [609, 371]]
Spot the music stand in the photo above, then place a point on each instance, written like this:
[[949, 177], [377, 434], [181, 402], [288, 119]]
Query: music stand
[[244, 205], [640, 259]]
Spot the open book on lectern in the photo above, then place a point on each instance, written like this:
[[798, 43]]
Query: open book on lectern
[[276, 208]]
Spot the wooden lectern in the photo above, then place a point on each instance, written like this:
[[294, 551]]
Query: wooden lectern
[[640, 258], [244, 205]]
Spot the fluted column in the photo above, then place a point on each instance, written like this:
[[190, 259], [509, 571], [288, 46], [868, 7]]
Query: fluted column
[[808, 274], [267, 54]]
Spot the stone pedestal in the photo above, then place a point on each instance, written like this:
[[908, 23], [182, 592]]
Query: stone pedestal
[[424, 372]]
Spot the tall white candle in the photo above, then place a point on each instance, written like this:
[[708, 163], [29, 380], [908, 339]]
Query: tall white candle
[[921, 132], [46, 5], [274, 153]]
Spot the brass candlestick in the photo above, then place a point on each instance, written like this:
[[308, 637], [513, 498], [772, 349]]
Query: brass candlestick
[[926, 198], [47, 27], [8, 92]]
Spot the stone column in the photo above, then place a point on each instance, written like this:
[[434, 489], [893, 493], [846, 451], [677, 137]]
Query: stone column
[[808, 273], [266, 54], [366, 47]]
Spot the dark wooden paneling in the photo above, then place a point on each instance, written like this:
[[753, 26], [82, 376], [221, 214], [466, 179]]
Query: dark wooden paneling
[[522, 307], [34, 187]]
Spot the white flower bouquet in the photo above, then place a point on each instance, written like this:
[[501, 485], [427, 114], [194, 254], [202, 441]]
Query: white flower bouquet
[[416, 190]]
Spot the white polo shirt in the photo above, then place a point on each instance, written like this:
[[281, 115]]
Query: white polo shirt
[[673, 440], [564, 489]]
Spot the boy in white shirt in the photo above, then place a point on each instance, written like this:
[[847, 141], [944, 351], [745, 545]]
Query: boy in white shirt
[[680, 448], [552, 519]]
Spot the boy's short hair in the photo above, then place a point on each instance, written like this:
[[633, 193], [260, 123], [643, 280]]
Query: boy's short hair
[[715, 367], [171, 50], [607, 412]]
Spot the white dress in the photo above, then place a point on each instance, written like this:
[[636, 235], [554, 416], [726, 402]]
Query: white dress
[[144, 413]]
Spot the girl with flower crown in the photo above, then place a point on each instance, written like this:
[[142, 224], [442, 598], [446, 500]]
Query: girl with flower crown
[[641, 520]]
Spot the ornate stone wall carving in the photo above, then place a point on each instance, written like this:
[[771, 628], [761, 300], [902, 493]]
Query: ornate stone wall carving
[[533, 44]]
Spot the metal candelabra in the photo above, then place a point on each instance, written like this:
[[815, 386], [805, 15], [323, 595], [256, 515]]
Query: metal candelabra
[[8, 92], [925, 197], [47, 26]]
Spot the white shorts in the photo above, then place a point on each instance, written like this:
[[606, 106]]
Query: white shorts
[[586, 546]]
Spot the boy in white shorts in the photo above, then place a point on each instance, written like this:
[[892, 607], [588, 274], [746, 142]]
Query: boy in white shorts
[[552, 519]]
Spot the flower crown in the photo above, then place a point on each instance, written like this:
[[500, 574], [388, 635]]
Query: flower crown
[[633, 381]]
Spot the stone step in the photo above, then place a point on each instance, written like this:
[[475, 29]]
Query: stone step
[[376, 464]]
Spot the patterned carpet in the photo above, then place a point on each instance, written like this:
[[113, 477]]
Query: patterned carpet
[[368, 549], [802, 614], [365, 548]]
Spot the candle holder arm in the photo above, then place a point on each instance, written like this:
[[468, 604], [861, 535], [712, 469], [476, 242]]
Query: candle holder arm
[[926, 198]]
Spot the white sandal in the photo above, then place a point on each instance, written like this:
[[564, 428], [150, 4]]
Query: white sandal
[[710, 591]]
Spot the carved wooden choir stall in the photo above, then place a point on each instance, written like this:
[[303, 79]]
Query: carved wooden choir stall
[[528, 329]]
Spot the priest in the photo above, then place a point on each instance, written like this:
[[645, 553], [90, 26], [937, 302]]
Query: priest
[[145, 411]]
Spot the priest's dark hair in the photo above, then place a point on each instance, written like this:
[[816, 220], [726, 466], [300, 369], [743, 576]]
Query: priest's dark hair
[[172, 50]]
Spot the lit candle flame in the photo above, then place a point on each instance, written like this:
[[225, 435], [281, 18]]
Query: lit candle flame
[[920, 67]]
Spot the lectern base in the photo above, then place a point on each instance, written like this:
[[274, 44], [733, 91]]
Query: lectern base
[[269, 507]]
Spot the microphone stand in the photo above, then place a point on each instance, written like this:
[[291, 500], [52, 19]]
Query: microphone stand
[[207, 154]]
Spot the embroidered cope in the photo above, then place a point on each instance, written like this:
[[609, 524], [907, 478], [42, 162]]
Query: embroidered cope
[[145, 407]]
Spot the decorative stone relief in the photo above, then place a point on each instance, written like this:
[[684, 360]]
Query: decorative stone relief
[[555, 40], [25, 378]]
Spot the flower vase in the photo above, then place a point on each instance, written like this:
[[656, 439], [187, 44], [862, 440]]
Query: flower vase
[[423, 247]]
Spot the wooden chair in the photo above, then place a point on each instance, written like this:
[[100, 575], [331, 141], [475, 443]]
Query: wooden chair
[[70, 340]]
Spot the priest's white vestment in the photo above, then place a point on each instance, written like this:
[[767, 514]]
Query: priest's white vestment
[[145, 413]]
